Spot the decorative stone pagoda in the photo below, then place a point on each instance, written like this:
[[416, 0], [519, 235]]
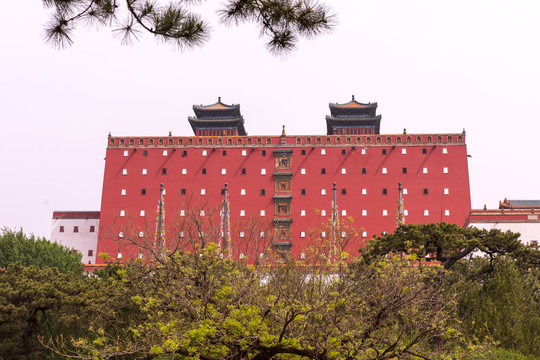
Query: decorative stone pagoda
[[217, 119], [353, 118]]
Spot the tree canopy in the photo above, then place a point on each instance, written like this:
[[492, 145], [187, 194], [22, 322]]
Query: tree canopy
[[448, 243], [202, 306], [15, 246], [281, 22]]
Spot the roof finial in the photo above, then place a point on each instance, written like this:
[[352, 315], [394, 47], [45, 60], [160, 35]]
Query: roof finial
[[109, 134], [170, 133], [283, 131], [404, 131], [463, 130], [219, 99], [353, 98]]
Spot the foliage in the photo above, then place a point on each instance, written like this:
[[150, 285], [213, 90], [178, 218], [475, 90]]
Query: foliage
[[31, 250], [448, 243], [501, 305], [38, 303], [282, 22], [202, 306]]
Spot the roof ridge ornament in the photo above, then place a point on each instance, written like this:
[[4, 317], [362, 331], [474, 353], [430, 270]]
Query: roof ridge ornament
[[219, 99], [353, 98], [283, 131]]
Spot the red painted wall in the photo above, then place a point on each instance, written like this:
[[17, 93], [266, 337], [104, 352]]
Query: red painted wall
[[457, 202]]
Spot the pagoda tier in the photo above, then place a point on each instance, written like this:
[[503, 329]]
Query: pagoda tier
[[217, 119], [353, 118]]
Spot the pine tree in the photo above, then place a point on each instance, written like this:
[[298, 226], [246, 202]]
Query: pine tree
[[281, 22]]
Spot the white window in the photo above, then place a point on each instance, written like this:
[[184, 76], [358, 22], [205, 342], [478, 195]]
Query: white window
[[164, 191], [323, 212], [242, 212], [403, 151], [242, 234], [302, 234], [141, 234], [323, 234], [385, 213], [139, 256], [406, 212], [302, 255], [263, 213], [446, 212], [405, 192], [323, 191], [141, 213], [182, 212], [363, 152], [343, 212], [302, 212], [223, 171], [343, 171], [446, 191], [261, 234], [204, 153], [384, 171], [426, 212], [303, 171], [263, 171], [165, 153], [201, 213], [144, 171], [323, 152], [124, 171], [364, 212], [364, 191], [244, 153], [126, 153], [424, 171], [343, 234], [242, 191], [203, 191], [184, 171], [119, 256], [122, 213], [364, 234], [444, 150], [445, 170], [121, 234], [123, 192]]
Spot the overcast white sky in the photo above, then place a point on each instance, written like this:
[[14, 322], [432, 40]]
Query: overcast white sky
[[433, 66]]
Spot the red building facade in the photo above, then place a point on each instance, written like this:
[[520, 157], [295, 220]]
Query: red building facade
[[280, 188]]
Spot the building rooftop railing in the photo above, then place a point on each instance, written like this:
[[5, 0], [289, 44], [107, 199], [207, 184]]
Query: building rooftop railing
[[295, 140]]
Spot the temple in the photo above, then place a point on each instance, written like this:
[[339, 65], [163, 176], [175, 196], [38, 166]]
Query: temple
[[283, 193], [217, 120], [353, 118]]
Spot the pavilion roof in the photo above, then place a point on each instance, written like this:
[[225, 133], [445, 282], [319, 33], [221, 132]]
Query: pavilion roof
[[520, 204], [353, 108], [217, 110]]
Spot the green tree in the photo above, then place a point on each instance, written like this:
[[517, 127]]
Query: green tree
[[282, 22], [41, 304], [448, 243], [203, 306], [501, 305], [15, 246]]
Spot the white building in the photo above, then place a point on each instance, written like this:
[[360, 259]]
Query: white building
[[77, 230], [519, 216]]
